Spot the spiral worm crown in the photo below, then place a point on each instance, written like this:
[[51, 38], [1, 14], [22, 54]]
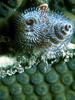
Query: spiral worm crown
[[43, 29]]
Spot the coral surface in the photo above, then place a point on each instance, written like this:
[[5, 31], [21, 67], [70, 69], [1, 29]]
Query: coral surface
[[42, 81]]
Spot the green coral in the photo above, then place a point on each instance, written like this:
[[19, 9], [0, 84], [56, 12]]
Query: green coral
[[37, 78], [15, 89], [52, 85], [3, 92], [41, 89], [61, 68], [52, 76], [67, 79], [28, 89], [23, 78], [9, 80], [44, 67], [57, 88]]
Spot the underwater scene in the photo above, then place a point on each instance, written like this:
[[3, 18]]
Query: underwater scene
[[37, 49]]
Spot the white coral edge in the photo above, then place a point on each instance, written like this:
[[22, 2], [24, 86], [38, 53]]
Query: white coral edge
[[7, 61]]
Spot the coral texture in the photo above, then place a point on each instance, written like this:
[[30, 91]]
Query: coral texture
[[38, 79]]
